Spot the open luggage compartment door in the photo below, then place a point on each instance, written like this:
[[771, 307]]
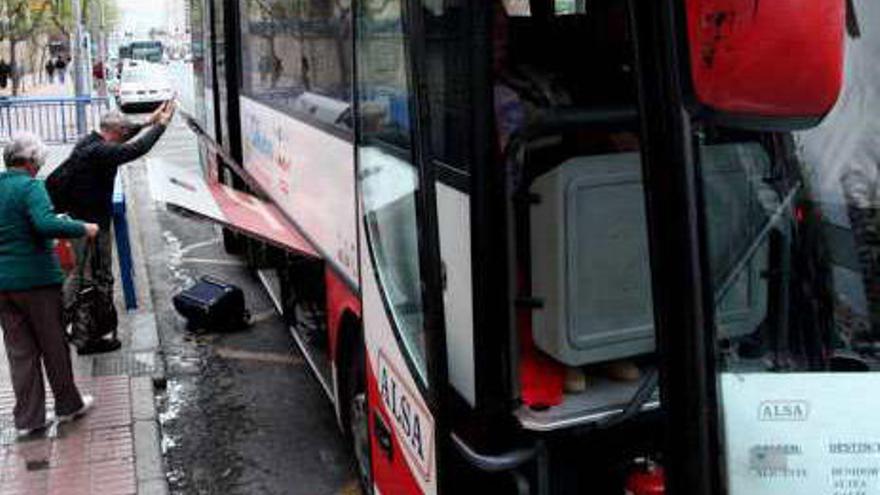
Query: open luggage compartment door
[[237, 210]]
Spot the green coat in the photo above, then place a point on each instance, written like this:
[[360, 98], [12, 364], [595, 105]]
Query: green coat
[[28, 225]]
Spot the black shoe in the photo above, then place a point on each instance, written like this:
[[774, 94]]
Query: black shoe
[[99, 347]]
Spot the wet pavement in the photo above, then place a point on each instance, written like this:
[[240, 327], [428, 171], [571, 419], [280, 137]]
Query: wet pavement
[[95, 454], [241, 411]]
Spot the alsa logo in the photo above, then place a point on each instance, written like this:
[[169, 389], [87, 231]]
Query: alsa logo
[[412, 422], [783, 410], [257, 140]]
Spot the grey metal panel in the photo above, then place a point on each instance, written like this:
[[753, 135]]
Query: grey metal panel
[[590, 263]]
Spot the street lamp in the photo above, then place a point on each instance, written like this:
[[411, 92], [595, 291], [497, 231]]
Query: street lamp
[[79, 83]]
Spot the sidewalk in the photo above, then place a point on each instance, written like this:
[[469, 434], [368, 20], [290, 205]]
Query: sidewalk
[[36, 86], [39, 86], [96, 454], [115, 448]]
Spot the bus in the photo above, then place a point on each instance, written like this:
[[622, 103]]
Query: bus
[[148, 50], [552, 247]]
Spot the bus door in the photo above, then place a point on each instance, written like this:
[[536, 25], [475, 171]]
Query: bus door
[[221, 76], [204, 106], [400, 259], [225, 65], [755, 179], [216, 77]]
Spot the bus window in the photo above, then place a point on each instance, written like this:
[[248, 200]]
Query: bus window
[[389, 180], [736, 178], [451, 69], [517, 8], [795, 265], [151, 51], [382, 83], [569, 7], [296, 57], [198, 44]]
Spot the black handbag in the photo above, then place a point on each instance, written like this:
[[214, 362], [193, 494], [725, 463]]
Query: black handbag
[[95, 305]]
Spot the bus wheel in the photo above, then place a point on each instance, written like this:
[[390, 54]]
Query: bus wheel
[[356, 413]]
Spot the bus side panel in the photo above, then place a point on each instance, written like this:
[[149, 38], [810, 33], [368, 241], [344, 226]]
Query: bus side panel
[[396, 402], [390, 475], [309, 173], [453, 215], [340, 300]]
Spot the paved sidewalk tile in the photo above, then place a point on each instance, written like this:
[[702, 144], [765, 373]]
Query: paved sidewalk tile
[[95, 454]]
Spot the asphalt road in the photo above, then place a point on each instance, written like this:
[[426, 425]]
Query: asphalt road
[[241, 412]]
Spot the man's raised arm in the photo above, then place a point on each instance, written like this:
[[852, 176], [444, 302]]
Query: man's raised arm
[[117, 154]]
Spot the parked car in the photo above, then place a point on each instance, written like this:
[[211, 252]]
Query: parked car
[[143, 87]]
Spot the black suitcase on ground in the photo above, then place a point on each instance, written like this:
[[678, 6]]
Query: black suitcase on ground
[[212, 305]]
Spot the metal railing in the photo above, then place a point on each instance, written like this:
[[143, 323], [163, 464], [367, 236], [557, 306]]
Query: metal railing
[[53, 119]]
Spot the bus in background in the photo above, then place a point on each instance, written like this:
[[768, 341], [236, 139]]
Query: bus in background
[[124, 51], [503, 255], [147, 50]]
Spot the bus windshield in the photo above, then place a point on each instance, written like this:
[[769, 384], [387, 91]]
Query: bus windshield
[[792, 226], [150, 51]]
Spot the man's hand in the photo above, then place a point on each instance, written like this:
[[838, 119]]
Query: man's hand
[[156, 115], [91, 230], [168, 110]]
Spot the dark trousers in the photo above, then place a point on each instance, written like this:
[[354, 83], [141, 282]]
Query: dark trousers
[[34, 337], [96, 272]]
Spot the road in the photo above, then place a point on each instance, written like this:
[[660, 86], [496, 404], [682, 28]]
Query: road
[[241, 412]]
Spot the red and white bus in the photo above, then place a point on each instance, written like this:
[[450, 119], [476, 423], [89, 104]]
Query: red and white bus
[[501, 231]]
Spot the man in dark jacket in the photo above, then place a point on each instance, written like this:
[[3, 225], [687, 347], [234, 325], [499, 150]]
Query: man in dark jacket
[[89, 193]]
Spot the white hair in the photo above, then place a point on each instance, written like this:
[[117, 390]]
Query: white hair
[[115, 121], [25, 147]]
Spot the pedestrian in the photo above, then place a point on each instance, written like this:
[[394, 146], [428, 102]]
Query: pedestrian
[[98, 76], [5, 73], [17, 77], [60, 67], [50, 70], [30, 290], [89, 176]]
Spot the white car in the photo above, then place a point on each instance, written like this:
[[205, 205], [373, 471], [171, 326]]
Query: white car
[[143, 87]]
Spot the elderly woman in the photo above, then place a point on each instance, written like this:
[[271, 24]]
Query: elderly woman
[[30, 289]]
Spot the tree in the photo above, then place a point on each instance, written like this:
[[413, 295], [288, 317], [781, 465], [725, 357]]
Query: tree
[[21, 20], [29, 20], [92, 10], [100, 16]]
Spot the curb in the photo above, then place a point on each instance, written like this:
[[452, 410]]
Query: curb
[[147, 340], [149, 461], [149, 464]]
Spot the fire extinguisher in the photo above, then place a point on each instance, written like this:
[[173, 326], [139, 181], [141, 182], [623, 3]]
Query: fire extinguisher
[[646, 478]]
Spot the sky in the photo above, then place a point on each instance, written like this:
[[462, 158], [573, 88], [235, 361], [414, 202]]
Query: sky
[[141, 15]]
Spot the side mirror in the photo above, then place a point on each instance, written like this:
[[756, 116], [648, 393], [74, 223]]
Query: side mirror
[[774, 64]]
